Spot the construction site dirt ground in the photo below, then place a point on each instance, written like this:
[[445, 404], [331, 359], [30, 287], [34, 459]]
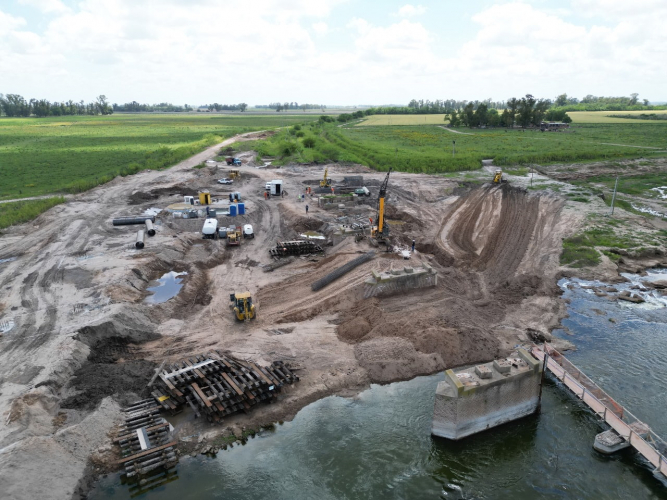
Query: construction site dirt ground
[[81, 340]]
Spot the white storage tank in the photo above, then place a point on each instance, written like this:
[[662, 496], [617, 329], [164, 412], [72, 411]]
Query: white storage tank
[[210, 228]]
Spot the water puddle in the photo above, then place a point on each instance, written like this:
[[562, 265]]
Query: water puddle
[[662, 191], [6, 325], [312, 235], [10, 259], [169, 286], [647, 210]]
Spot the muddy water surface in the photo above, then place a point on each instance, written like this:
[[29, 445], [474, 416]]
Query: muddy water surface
[[168, 287], [378, 445]]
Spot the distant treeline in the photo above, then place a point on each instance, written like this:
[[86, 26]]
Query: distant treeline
[[224, 107], [14, 105], [595, 103], [643, 116], [285, 106], [163, 107], [562, 102]]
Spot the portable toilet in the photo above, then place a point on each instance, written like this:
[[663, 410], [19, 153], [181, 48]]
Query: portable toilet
[[189, 200], [241, 208], [205, 198], [232, 210]]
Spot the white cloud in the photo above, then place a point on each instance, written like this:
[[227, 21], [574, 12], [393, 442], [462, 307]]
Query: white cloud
[[46, 6], [320, 28], [275, 50], [410, 10], [9, 23]]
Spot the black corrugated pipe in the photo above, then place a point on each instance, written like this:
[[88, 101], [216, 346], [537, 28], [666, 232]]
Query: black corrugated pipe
[[149, 227], [337, 273], [141, 238], [127, 221]]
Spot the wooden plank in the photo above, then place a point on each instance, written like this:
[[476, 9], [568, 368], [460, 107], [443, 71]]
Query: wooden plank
[[149, 429], [147, 452], [259, 372], [200, 393], [232, 384]]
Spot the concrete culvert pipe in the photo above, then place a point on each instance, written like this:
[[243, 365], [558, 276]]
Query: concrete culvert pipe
[[149, 227], [128, 221], [141, 239]]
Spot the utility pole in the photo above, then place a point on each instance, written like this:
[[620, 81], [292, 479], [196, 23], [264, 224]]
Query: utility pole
[[453, 148], [613, 198], [531, 176]]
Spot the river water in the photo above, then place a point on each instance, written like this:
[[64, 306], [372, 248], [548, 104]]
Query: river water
[[378, 444]]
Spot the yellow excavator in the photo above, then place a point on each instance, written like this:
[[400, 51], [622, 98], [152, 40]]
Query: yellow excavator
[[380, 231], [242, 305], [325, 182]]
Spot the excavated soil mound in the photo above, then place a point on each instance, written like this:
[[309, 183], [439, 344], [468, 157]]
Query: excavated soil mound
[[110, 367]]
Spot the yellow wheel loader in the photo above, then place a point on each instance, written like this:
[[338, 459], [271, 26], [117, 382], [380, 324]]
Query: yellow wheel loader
[[242, 305], [498, 177]]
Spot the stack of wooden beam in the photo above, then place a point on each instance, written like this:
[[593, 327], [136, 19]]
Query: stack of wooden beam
[[144, 439], [216, 385], [298, 247]]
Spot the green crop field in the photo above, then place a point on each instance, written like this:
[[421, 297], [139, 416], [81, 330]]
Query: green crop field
[[50, 155], [604, 116], [428, 149], [379, 120]]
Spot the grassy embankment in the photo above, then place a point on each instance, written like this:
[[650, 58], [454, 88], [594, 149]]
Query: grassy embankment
[[608, 236], [428, 149], [40, 156], [18, 212]]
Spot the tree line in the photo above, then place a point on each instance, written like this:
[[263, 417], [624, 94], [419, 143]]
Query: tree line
[[14, 105], [601, 103], [286, 106], [224, 107], [163, 107], [525, 112]]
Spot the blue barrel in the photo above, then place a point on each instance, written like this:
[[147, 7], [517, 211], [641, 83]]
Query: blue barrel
[[241, 208], [232, 210]]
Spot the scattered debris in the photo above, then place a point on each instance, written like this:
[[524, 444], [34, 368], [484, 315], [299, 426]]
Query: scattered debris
[[144, 440], [298, 247], [218, 385]]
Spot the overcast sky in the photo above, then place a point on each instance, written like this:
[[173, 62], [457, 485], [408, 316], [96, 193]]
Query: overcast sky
[[331, 51]]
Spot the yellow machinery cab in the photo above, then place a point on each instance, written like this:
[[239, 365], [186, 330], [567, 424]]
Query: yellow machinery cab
[[242, 305], [234, 174]]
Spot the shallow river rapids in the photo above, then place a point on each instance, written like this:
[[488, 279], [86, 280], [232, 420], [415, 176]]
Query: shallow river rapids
[[378, 444]]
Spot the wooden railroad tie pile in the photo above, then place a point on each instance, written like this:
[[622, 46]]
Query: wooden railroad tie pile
[[143, 438], [298, 247], [216, 385]]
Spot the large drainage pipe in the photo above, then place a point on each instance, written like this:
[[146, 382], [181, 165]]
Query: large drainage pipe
[[149, 227], [128, 221], [344, 269], [141, 239]]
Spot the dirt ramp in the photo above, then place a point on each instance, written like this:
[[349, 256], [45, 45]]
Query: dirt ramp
[[493, 228]]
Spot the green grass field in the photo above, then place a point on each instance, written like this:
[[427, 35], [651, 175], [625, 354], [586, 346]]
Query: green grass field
[[578, 117], [603, 116], [49, 155], [428, 149], [380, 120]]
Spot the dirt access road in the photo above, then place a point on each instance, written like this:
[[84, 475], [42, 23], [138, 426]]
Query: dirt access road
[[82, 340]]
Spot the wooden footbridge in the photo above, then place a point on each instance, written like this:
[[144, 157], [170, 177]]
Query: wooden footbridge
[[651, 446]]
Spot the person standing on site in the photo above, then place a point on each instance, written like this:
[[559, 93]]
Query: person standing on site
[[306, 209], [413, 246]]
